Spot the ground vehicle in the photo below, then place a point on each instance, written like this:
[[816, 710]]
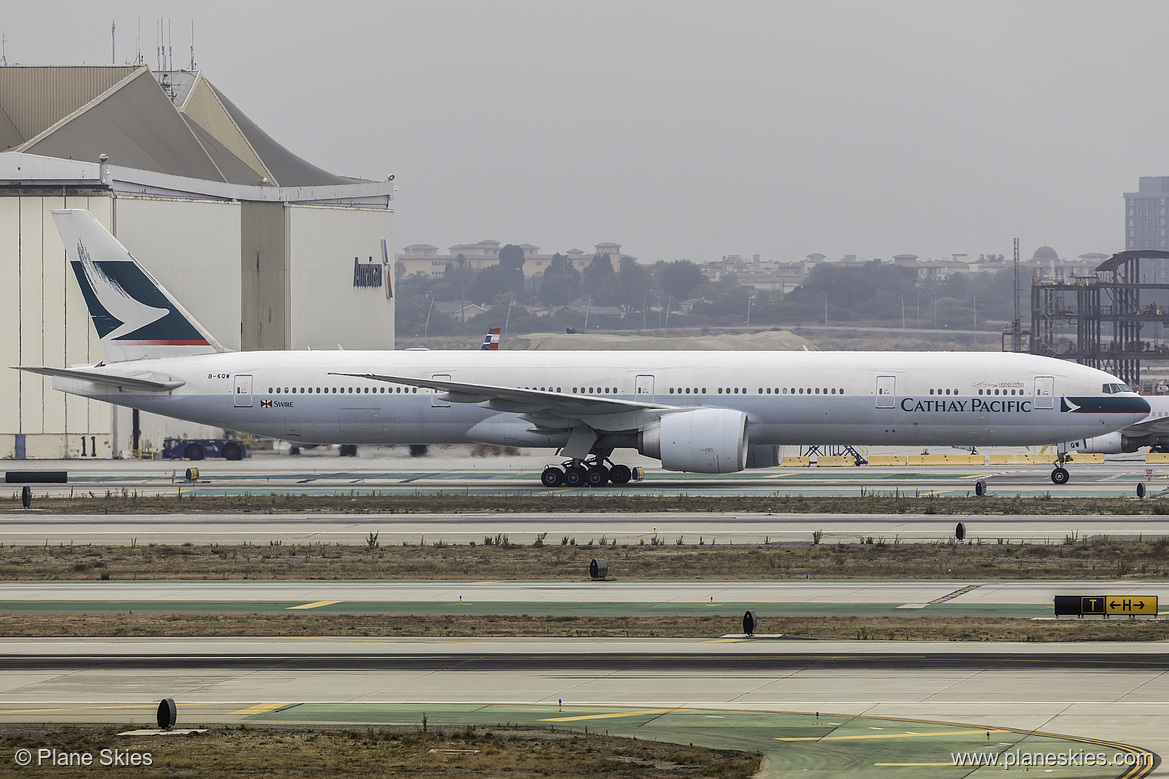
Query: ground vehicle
[[198, 448]]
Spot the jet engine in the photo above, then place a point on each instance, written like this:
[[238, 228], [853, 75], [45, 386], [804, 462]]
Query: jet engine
[[706, 440], [1111, 443], [764, 456]]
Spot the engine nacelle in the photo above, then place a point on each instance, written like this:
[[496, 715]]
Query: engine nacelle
[[706, 440], [764, 456], [1111, 443]]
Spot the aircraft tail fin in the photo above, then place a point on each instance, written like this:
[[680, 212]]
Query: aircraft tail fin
[[491, 341], [134, 315]]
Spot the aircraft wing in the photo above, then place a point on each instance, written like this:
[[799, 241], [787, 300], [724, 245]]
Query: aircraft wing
[[1150, 425], [146, 382], [536, 403]]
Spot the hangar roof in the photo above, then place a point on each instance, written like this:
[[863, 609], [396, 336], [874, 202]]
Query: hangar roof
[[171, 122]]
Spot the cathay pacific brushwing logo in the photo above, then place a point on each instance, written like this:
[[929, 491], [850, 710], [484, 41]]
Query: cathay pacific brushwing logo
[[1067, 405], [126, 305], [132, 314]]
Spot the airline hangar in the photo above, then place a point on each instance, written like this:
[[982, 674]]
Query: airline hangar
[[266, 249]]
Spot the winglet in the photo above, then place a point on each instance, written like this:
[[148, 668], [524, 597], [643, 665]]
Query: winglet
[[134, 315]]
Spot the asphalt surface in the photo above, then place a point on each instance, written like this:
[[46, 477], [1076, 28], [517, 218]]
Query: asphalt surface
[[906, 598], [42, 526], [389, 472]]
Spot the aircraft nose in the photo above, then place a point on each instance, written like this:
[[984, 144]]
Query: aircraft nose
[[1137, 405]]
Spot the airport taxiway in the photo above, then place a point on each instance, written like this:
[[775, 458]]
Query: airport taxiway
[[1117, 692], [805, 597], [260, 527], [383, 473]]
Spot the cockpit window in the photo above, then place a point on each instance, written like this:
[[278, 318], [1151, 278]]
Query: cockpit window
[[1113, 389]]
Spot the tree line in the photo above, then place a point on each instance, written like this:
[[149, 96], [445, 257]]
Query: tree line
[[651, 296]]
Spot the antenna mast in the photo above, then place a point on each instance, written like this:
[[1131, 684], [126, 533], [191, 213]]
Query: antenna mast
[[1017, 324], [113, 42]]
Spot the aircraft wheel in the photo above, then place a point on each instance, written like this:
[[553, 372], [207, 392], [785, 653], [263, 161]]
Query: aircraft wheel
[[620, 474], [1060, 476], [232, 452], [597, 476], [552, 477], [193, 452], [294, 451], [574, 477]]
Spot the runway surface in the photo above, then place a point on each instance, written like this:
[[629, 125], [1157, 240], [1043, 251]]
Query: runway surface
[[383, 473], [260, 528], [1114, 693], [907, 598]]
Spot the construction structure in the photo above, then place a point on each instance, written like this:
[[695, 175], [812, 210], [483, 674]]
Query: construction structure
[[265, 248], [1113, 319]]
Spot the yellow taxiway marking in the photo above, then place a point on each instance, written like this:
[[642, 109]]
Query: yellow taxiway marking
[[894, 735], [975, 476], [259, 708], [609, 716], [778, 475], [98, 708], [313, 605], [951, 764]]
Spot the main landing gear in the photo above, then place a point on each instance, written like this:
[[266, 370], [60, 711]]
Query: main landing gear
[[1060, 475], [589, 473]]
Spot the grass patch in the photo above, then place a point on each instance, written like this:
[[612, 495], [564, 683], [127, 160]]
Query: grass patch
[[1095, 557], [442, 751], [919, 627]]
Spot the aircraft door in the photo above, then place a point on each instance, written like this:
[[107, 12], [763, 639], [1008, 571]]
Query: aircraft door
[[243, 391], [1044, 392], [645, 388], [886, 391], [435, 400]]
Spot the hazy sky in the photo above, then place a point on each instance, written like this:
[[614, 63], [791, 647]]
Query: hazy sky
[[687, 129]]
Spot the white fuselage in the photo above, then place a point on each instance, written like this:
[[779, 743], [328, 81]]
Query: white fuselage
[[858, 398]]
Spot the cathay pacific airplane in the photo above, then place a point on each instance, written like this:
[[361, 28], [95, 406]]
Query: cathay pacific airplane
[[704, 412]]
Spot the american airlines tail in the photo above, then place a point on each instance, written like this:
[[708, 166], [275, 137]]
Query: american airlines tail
[[491, 341], [134, 315]]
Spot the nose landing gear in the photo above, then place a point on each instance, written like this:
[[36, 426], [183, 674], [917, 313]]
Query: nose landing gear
[[1060, 475]]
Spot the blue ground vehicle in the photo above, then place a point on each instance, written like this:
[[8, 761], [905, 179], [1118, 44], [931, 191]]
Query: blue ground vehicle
[[199, 448]]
